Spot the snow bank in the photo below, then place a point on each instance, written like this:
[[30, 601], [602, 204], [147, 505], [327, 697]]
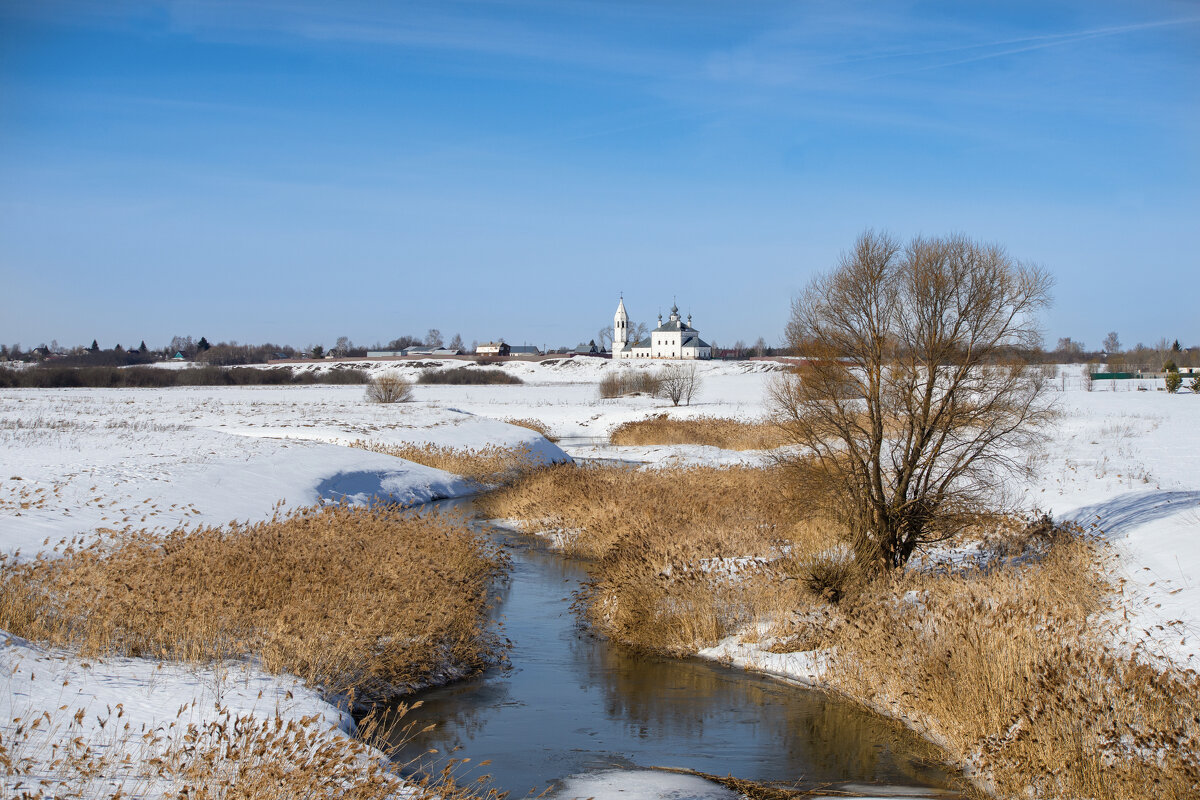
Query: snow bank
[[79, 460]]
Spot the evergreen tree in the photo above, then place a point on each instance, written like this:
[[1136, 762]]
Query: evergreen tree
[[142, 347], [95, 348], [203, 344], [1175, 347]]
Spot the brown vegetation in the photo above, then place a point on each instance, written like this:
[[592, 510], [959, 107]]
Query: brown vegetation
[[533, 425], [489, 465], [60, 754], [1014, 671], [468, 376], [54, 377], [728, 434], [368, 601], [630, 381], [1005, 660], [648, 533], [389, 389]]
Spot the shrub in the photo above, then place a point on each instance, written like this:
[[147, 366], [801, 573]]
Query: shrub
[[1174, 380], [1196, 384], [468, 376], [389, 389], [345, 375], [829, 575], [629, 381]]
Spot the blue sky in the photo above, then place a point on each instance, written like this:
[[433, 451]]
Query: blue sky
[[293, 172]]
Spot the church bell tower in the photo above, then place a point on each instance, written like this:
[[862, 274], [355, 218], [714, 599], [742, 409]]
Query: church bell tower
[[620, 329]]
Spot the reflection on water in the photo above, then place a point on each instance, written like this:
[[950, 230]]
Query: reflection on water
[[572, 703]]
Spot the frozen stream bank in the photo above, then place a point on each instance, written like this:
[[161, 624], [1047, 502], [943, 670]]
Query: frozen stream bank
[[590, 718]]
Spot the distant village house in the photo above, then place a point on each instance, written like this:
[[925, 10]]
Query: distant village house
[[493, 349]]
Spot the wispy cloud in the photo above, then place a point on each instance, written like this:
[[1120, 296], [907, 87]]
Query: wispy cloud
[[1026, 44]]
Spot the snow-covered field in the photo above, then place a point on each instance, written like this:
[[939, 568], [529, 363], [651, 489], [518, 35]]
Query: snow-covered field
[[76, 460]]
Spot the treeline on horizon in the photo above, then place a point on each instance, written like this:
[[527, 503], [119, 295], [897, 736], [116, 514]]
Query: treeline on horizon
[[57, 376], [1110, 356]]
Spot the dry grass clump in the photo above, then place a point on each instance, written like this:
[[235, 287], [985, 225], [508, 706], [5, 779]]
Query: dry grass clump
[[630, 381], [468, 376], [60, 755], [489, 465], [389, 389], [369, 601], [728, 434], [533, 425], [1012, 668], [676, 552]]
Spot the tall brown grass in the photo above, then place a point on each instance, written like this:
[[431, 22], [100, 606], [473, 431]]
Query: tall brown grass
[[1006, 661], [489, 465], [533, 425], [362, 601], [1014, 669], [674, 551], [728, 434], [55, 754]]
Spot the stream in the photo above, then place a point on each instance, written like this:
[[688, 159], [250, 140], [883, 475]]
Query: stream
[[586, 717]]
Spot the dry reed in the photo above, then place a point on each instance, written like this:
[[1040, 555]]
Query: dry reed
[[363, 601], [1006, 662], [230, 757], [533, 425], [489, 465], [728, 434]]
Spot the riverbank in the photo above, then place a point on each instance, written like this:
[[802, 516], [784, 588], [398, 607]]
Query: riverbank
[[142, 622], [1052, 661]]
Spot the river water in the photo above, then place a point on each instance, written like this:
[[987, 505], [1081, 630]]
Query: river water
[[585, 717]]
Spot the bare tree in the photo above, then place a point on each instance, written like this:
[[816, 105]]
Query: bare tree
[[1112, 343], [910, 401], [402, 342], [604, 337], [433, 338], [680, 383], [457, 343]]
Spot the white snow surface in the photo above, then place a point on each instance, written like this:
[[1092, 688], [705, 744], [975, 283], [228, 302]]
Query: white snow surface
[[641, 784], [1125, 464], [74, 461]]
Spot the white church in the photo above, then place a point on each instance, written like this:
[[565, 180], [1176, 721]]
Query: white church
[[671, 339]]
